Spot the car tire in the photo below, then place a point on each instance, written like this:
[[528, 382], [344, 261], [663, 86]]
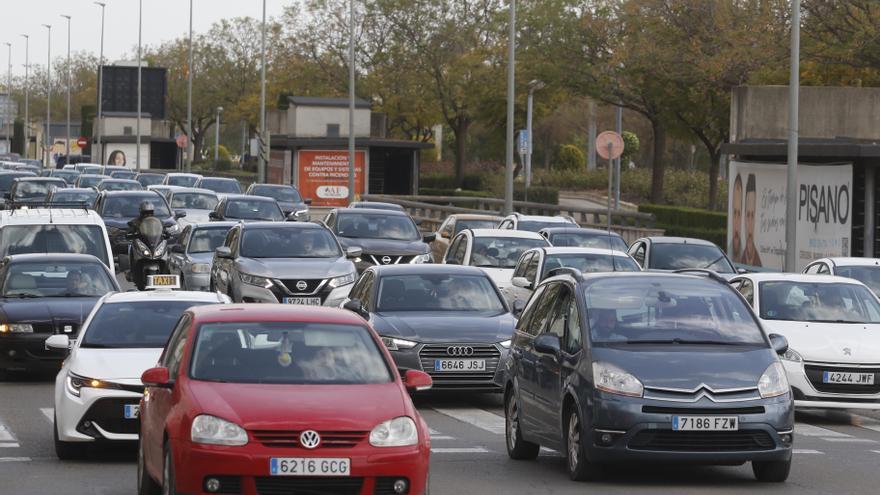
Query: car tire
[[517, 448], [146, 484], [579, 466], [67, 451], [771, 471], [169, 481]]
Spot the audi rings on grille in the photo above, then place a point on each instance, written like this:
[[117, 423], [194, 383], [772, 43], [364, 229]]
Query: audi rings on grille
[[460, 350]]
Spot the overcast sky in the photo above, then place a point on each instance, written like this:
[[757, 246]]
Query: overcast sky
[[163, 20]]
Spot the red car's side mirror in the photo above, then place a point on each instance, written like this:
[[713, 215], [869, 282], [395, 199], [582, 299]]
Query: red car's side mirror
[[157, 377], [417, 381]]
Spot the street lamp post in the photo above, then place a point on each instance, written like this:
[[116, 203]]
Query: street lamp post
[[26, 92], [792, 184], [47, 138], [351, 62], [511, 54], [217, 137], [67, 140], [9, 97], [138, 126], [535, 85], [99, 151], [189, 97], [261, 162]]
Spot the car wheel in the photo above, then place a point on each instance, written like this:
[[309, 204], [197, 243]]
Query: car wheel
[[771, 471], [169, 481], [67, 451], [579, 467], [517, 448], [146, 484]]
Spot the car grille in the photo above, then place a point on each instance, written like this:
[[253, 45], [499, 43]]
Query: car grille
[[109, 415], [815, 372], [290, 438], [311, 285], [703, 410], [460, 380], [380, 259], [276, 485], [702, 441]]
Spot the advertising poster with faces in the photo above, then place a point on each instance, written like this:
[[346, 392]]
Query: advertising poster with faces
[[756, 213]]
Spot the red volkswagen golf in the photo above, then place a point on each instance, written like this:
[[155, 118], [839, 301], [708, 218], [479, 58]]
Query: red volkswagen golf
[[272, 399]]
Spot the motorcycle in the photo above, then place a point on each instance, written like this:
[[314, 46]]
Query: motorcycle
[[148, 252]]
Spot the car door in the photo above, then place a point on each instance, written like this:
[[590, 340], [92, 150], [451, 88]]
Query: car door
[[553, 369], [533, 361], [444, 236], [177, 259], [522, 364], [513, 293]]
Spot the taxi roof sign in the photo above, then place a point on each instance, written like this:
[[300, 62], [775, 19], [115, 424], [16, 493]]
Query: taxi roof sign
[[159, 282]]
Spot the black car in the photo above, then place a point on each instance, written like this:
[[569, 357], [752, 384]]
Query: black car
[[88, 180], [247, 208], [42, 295], [289, 199], [386, 237], [655, 367], [584, 237], [72, 196], [69, 176], [33, 189], [447, 320], [117, 208], [6, 178]]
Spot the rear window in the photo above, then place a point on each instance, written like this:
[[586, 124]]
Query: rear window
[[129, 206], [600, 241], [79, 239], [194, 201], [674, 256], [287, 194], [246, 209], [221, 185]]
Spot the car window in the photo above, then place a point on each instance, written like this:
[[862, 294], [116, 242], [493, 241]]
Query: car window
[[573, 339], [818, 302], [823, 269], [360, 287], [590, 240], [377, 226], [286, 242], [677, 256], [225, 186], [193, 201], [536, 225], [747, 289], [280, 193], [474, 224], [438, 292], [54, 238], [812, 269], [522, 325], [559, 314], [129, 206], [448, 227], [205, 240], [247, 209], [128, 325], [590, 262], [457, 249], [522, 264], [501, 252], [330, 221], [868, 275], [544, 309], [174, 350], [638, 253], [56, 279]]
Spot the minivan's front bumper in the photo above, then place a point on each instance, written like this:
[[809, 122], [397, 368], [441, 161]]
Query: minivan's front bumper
[[638, 429]]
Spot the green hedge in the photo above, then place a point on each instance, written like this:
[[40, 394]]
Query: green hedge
[[433, 191], [471, 182], [537, 194], [682, 221]]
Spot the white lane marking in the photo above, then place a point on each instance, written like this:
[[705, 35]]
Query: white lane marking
[[49, 413], [442, 437], [806, 451], [9, 445], [15, 459], [484, 420], [809, 430], [433, 432], [459, 450], [876, 451], [850, 440]]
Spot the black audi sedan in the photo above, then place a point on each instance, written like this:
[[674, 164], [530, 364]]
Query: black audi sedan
[[234, 207], [386, 237], [657, 367], [447, 320], [43, 295]]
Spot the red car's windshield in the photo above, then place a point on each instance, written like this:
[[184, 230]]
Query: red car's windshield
[[288, 353]]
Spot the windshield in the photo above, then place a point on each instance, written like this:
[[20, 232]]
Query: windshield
[[580, 239], [150, 179], [123, 175], [280, 193], [586, 263], [113, 185], [474, 224], [90, 169], [868, 275], [6, 180], [69, 176], [221, 185], [88, 181], [57, 279], [289, 353], [129, 206], [79, 239], [63, 196], [378, 226], [668, 311], [675, 256], [438, 292], [128, 325], [36, 190], [287, 242], [194, 200], [246, 209], [207, 240], [182, 180], [818, 302], [501, 252], [536, 225]]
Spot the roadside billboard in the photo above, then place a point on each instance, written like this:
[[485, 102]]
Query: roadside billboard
[[323, 176], [756, 213]]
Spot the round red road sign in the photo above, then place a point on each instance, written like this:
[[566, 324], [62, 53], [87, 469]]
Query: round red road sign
[[609, 145]]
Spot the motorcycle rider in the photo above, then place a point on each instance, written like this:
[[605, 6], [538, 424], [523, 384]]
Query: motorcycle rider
[[146, 210]]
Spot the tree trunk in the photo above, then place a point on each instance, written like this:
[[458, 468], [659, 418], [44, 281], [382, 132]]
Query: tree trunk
[[461, 131], [659, 164], [715, 156]]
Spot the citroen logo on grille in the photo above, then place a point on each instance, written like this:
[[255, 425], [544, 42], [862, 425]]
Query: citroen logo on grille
[[460, 350], [386, 260], [301, 285], [309, 439]]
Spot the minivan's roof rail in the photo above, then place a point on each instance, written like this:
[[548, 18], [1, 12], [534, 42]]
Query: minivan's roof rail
[[705, 272], [26, 205]]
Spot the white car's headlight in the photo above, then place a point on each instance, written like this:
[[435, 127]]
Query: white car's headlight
[[200, 268], [773, 382], [505, 344], [793, 356], [398, 432], [255, 280], [611, 379], [394, 344], [16, 328], [215, 431], [343, 280], [422, 258], [75, 383]]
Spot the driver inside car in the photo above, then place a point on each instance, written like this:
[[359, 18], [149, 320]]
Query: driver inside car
[[75, 283]]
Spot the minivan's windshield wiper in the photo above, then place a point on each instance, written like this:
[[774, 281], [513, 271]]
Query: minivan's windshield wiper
[[22, 295], [687, 342], [836, 321]]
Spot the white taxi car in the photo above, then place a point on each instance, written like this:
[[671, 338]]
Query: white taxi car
[[833, 328], [99, 387]]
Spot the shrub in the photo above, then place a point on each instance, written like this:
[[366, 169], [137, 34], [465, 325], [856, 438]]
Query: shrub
[[473, 182], [570, 157], [631, 146], [537, 194], [690, 222]]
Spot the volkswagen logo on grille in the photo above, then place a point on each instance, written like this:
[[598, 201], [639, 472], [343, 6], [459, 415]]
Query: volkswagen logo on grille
[[309, 439], [460, 350], [302, 285], [386, 260]]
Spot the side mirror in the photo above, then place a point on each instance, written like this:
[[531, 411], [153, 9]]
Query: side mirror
[[58, 342], [307, 201], [213, 215], [521, 282], [157, 377], [417, 381], [178, 214], [223, 252], [548, 343], [429, 238], [779, 343], [356, 306], [518, 307], [354, 252]]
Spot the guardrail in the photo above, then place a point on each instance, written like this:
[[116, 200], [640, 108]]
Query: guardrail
[[432, 210]]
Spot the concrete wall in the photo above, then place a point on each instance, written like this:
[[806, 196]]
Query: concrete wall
[[115, 126], [761, 112], [304, 121]]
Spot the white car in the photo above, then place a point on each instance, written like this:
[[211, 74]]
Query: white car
[[496, 251], [865, 270], [832, 325], [534, 223], [98, 390]]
